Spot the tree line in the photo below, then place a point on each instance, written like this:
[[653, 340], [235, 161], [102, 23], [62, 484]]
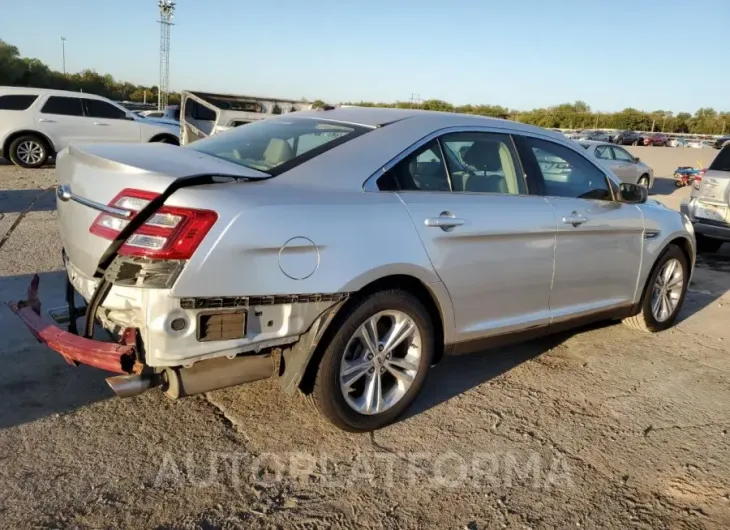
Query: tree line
[[24, 71], [16, 70], [578, 115]]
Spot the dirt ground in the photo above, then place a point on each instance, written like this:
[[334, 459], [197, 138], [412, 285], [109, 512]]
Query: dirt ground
[[603, 428]]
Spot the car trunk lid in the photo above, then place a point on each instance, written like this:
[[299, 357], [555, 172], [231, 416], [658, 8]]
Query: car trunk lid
[[91, 176]]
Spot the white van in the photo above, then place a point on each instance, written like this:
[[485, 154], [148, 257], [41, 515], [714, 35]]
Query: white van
[[37, 123]]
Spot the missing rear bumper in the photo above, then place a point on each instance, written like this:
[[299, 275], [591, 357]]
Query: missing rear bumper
[[118, 358]]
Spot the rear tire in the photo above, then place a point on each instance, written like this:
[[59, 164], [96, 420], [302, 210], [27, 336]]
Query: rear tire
[[643, 181], [707, 245], [29, 151], [346, 405], [662, 299]]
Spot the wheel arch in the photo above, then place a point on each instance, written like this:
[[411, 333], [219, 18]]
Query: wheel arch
[[687, 248], [685, 245], [302, 372], [17, 134], [161, 136]]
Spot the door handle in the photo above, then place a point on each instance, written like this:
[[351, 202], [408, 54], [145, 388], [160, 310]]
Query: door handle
[[44, 120], [444, 222], [101, 124], [574, 219]]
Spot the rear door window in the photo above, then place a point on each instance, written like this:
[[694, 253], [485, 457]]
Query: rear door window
[[423, 170], [722, 160], [483, 162], [64, 106], [101, 109], [17, 101]]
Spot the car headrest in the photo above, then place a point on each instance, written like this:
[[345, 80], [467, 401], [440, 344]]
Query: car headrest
[[278, 151], [484, 155]]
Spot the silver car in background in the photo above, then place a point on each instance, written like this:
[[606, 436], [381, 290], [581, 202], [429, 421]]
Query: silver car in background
[[624, 165], [346, 251]]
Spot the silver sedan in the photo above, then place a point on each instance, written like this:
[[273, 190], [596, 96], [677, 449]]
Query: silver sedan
[[346, 251], [624, 165]]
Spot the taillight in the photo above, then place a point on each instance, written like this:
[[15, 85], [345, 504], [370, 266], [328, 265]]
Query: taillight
[[171, 233], [698, 179]]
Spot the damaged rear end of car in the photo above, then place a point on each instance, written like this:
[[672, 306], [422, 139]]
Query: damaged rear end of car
[[151, 235]]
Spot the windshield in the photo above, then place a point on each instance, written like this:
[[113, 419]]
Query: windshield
[[277, 145]]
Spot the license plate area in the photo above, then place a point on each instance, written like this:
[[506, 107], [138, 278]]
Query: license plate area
[[221, 325], [713, 212]]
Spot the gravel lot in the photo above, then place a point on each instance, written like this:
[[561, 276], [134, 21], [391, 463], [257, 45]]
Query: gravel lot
[[604, 428]]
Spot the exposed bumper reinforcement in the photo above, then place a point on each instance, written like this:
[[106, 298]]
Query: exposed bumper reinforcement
[[118, 358]]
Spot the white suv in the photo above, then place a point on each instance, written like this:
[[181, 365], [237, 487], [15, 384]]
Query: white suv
[[36, 123]]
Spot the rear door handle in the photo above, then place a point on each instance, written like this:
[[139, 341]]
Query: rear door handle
[[44, 120], [574, 219], [444, 222], [100, 124]]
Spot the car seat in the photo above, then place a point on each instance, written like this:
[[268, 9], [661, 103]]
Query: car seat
[[485, 156]]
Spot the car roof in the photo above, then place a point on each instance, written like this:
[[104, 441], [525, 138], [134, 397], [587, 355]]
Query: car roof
[[40, 91], [379, 117]]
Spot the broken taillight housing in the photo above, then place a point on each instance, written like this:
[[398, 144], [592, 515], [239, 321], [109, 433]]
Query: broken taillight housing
[[171, 233], [698, 179]]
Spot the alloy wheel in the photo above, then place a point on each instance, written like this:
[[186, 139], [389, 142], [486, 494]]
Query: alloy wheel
[[30, 152], [667, 291], [380, 362]]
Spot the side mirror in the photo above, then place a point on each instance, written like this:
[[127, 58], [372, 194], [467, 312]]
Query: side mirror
[[636, 160], [633, 193]]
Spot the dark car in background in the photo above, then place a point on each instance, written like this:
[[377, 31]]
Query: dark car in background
[[627, 138], [656, 139], [721, 142]]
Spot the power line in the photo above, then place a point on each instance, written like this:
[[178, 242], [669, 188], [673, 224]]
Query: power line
[[415, 99], [167, 10]]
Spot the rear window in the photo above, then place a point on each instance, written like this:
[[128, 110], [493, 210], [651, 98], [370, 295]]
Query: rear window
[[722, 160], [275, 146], [16, 102]]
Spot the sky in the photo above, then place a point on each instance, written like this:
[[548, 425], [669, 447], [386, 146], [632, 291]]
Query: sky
[[521, 54]]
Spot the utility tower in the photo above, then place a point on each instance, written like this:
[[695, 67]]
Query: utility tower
[[167, 10]]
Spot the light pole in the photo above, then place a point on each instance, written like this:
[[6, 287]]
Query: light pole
[[63, 50]]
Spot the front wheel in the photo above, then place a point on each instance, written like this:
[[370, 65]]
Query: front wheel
[[664, 293], [376, 363], [644, 181]]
